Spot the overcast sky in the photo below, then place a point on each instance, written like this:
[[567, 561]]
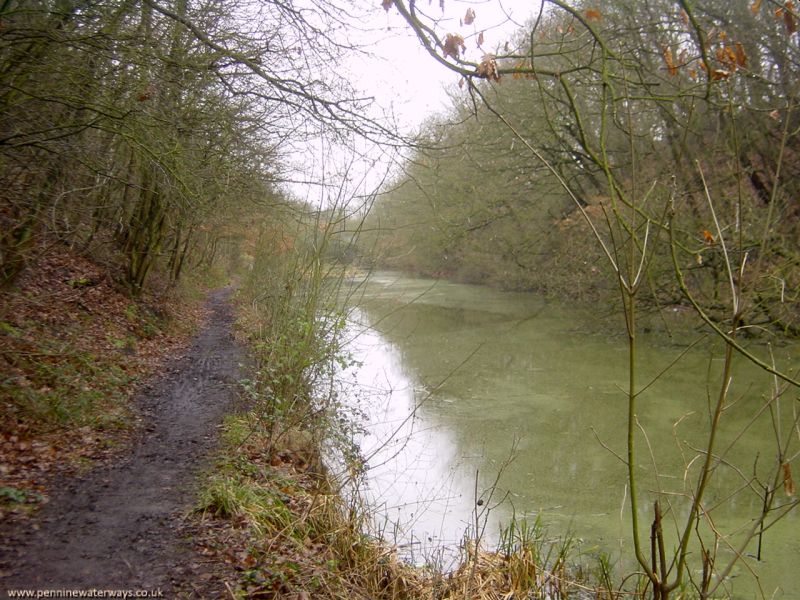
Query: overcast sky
[[402, 75], [405, 80]]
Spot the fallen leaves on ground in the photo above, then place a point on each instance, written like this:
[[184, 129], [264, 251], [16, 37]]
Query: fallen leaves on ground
[[74, 348]]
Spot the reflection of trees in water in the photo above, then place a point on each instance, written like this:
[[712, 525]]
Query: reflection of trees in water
[[550, 388], [409, 482]]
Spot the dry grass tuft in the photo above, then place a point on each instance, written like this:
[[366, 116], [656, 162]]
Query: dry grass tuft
[[290, 535]]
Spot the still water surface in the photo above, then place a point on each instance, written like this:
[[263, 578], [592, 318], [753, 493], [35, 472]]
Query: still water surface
[[476, 398]]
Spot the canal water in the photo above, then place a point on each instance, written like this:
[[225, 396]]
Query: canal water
[[482, 405]]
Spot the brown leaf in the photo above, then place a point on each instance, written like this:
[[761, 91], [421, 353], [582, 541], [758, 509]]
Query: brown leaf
[[741, 56], [666, 52], [453, 45], [788, 18], [684, 17], [727, 56], [755, 7], [387, 4], [480, 39], [469, 18], [788, 482], [730, 55], [592, 14], [719, 74], [488, 68], [708, 237]]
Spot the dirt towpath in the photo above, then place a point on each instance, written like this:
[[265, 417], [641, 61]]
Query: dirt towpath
[[117, 527]]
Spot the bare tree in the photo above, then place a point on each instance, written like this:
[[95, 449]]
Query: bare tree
[[680, 120]]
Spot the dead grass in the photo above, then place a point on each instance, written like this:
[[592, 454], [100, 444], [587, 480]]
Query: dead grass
[[288, 534]]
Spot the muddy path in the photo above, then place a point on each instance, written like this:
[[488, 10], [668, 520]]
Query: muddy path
[[119, 526]]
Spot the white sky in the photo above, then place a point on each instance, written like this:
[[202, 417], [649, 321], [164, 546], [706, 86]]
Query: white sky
[[403, 76], [404, 79]]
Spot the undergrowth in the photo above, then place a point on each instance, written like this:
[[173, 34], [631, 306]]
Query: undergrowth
[[291, 533], [72, 343], [296, 533], [73, 346]]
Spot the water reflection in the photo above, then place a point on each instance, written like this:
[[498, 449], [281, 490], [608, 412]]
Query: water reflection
[[455, 376], [415, 480]]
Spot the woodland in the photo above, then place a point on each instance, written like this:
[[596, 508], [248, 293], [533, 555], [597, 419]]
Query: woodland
[[624, 119], [640, 155], [147, 133]]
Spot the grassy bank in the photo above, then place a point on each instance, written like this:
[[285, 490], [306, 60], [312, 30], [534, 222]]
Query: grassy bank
[[276, 516]]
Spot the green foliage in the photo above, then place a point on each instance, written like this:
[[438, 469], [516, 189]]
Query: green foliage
[[294, 321], [9, 329], [82, 282], [236, 497], [145, 322], [19, 500], [12, 495]]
